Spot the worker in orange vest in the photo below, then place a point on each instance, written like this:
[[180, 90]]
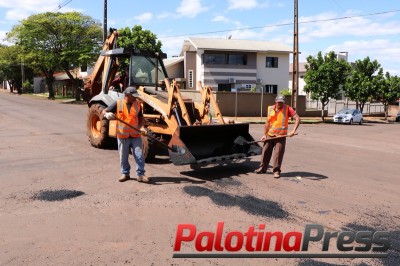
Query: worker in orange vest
[[129, 111], [275, 126]]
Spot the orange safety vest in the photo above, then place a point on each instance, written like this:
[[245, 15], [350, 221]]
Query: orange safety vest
[[132, 118], [278, 121]]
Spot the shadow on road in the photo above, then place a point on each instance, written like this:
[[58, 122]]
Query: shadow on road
[[305, 175], [249, 204], [158, 180], [393, 252], [217, 172], [310, 262], [159, 161]]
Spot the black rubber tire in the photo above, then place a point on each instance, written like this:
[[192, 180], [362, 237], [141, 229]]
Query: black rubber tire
[[98, 133], [149, 147]]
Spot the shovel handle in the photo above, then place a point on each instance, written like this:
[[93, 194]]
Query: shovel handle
[[147, 135], [279, 137]]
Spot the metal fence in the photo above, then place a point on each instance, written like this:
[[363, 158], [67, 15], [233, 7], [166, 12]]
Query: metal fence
[[336, 105]]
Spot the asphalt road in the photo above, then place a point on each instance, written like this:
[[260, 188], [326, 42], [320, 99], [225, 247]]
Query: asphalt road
[[61, 204]]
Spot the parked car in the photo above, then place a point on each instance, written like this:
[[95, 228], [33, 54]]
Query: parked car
[[398, 117], [348, 116]]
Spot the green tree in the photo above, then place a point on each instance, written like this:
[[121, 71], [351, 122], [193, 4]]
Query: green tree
[[363, 82], [12, 66], [138, 38], [324, 77], [57, 41], [286, 92], [388, 91]]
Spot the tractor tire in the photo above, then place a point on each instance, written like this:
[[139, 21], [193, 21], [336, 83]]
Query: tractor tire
[[149, 147], [97, 128]]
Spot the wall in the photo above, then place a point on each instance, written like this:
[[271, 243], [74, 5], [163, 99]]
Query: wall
[[249, 103], [190, 64], [274, 76]]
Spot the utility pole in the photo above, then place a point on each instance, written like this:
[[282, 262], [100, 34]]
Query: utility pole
[[295, 75], [105, 22], [22, 72]]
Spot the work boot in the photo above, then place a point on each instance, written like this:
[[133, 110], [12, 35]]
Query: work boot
[[260, 170], [277, 175], [124, 178], [143, 178]]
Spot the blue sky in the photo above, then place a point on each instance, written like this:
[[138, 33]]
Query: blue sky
[[364, 33]]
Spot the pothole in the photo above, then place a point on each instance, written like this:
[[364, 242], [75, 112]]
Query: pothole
[[57, 195]]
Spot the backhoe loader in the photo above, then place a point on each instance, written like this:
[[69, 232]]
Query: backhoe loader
[[170, 118]]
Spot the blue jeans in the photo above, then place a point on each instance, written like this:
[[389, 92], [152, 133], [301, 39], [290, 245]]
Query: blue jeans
[[124, 147]]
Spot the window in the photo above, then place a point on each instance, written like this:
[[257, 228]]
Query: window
[[237, 59], [223, 59], [271, 62], [224, 87], [142, 70], [190, 74], [271, 89], [214, 59]]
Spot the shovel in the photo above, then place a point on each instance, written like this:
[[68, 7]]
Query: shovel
[[242, 141], [175, 149]]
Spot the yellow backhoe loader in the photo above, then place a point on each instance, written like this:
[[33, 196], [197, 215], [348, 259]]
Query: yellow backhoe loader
[[170, 118]]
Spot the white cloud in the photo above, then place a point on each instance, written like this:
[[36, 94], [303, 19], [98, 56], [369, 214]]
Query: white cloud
[[21, 9], [356, 26], [384, 49], [221, 19], [3, 37], [240, 4], [145, 17], [14, 14], [190, 8], [28, 4], [172, 46], [165, 14]]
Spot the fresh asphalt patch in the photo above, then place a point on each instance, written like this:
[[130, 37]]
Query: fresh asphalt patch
[[57, 195]]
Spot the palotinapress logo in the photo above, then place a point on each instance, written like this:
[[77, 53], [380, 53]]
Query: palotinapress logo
[[257, 242]]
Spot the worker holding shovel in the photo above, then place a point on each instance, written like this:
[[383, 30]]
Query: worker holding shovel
[[276, 131], [130, 120]]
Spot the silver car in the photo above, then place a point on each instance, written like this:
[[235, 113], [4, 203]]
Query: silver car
[[348, 116]]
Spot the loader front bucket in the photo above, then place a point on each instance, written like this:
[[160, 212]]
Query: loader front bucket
[[212, 144]]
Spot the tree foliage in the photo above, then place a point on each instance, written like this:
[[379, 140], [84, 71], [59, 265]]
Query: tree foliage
[[363, 83], [57, 41], [388, 91], [12, 66], [324, 77], [138, 38]]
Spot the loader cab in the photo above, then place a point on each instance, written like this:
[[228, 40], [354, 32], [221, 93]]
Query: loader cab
[[145, 68]]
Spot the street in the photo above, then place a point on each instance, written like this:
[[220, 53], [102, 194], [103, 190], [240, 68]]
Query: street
[[61, 202]]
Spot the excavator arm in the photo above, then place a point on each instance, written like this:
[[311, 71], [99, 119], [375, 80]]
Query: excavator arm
[[93, 86]]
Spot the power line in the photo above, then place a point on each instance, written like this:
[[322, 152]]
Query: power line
[[62, 5], [286, 24]]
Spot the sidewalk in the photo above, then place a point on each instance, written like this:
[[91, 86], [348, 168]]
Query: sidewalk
[[242, 119], [308, 120]]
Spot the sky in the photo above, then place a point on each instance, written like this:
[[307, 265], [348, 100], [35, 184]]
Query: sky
[[360, 27]]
